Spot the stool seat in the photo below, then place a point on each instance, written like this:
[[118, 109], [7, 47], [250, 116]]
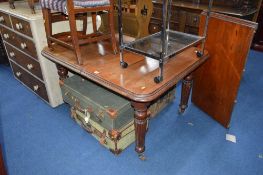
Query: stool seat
[[61, 5], [71, 11]]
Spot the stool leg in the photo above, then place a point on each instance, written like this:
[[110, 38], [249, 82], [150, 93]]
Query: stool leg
[[75, 40], [85, 23], [74, 34], [94, 21], [112, 31]]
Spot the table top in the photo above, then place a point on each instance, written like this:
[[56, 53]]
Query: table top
[[135, 82]]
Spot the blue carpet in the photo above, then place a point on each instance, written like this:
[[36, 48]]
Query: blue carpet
[[39, 140]]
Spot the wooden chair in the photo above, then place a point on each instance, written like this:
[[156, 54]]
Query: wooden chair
[[71, 10]]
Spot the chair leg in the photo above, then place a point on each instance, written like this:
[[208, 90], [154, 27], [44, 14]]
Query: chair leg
[[73, 31], [94, 21], [75, 40], [85, 23], [112, 31], [48, 25]]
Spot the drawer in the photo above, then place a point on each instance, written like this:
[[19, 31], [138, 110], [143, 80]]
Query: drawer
[[157, 13], [25, 61], [6, 34], [154, 27], [19, 42], [35, 85], [192, 19], [191, 30], [4, 19], [21, 26]]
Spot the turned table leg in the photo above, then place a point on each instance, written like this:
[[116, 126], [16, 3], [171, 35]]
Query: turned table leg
[[186, 89], [63, 73], [140, 123]]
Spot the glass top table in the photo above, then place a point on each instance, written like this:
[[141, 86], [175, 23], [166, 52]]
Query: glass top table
[[151, 45], [164, 44]]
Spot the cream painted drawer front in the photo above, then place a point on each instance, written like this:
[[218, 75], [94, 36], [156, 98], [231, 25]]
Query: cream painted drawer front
[[24, 38]]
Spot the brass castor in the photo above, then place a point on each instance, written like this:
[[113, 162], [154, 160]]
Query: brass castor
[[181, 111], [142, 156]]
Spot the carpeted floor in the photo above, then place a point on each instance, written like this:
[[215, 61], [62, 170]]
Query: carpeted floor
[[39, 140]]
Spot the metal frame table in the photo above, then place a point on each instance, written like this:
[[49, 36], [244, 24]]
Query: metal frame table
[[171, 42]]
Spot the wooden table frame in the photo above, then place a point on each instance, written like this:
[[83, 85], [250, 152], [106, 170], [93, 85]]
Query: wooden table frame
[[104, 70]]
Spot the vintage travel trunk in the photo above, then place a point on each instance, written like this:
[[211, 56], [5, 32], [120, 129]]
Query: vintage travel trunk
[[114, 140], [108, 109], [107, 116]]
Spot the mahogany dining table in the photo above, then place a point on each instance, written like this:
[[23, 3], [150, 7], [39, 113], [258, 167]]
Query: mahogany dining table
[[136, 82]]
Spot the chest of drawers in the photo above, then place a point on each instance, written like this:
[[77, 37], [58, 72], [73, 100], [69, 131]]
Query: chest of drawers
[[24, 37], [3, 57]]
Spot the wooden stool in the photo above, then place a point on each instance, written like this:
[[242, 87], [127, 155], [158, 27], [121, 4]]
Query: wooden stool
[[70, 10]]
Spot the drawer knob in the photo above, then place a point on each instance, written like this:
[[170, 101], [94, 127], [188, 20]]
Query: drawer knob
[[18, 74], [35, 88], [29, 66], [195, 19], [12, 54], [23, 45], [2, 19], [6, 36], [19, 26]]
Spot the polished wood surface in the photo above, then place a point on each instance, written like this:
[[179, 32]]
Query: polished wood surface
[[136, 81], [217, 81]]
